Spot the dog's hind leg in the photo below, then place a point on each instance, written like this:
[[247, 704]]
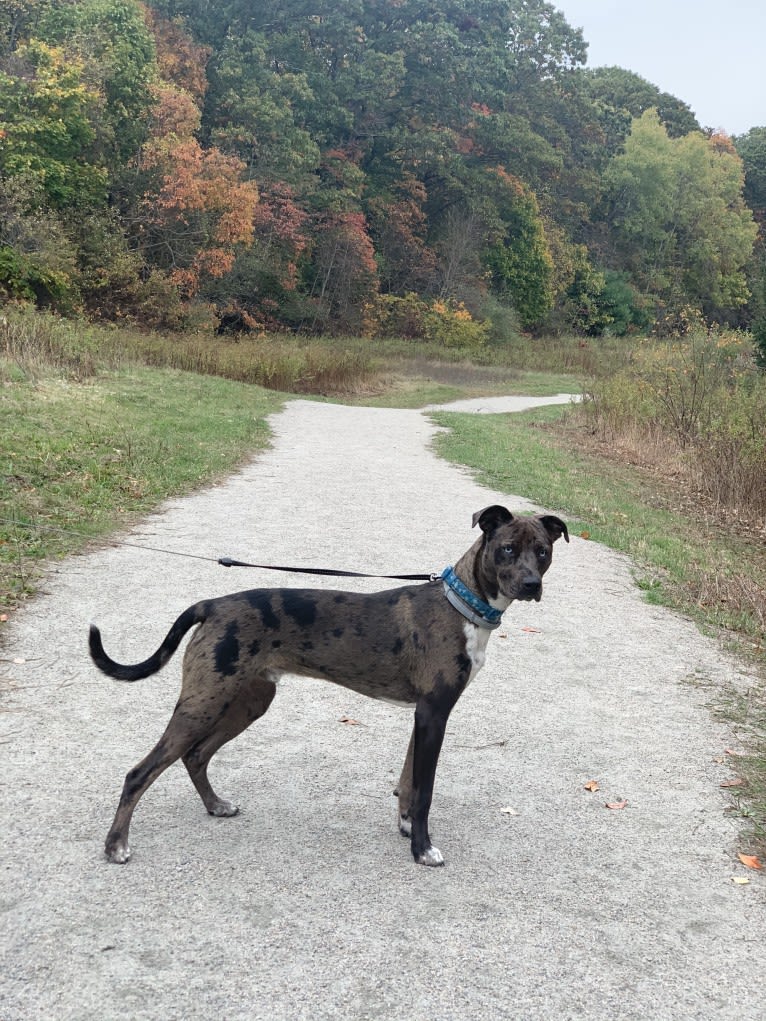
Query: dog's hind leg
[[236, 716], [138, 780]]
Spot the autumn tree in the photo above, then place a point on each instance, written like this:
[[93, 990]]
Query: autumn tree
[[196, 208]]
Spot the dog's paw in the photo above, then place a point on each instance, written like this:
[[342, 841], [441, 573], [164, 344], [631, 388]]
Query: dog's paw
[[117, 853], [431, 856], [223, 809], [405, 825]]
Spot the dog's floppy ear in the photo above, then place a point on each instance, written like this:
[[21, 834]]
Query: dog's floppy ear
[[554, 526], [491, 518]]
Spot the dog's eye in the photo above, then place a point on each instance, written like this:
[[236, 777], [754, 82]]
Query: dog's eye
[[542, 553], [508, 548]]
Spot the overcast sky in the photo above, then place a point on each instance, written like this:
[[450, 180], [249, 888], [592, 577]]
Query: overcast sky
[[709, 53]]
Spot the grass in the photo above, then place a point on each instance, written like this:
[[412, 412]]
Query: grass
[[716, 577], [90, 457]]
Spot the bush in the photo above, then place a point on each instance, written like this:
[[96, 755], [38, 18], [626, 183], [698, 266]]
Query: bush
[[447, 324]]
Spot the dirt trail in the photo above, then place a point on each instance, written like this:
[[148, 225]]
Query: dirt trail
[[307, 905]]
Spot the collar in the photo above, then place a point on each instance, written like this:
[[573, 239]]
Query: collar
[[468, 603]]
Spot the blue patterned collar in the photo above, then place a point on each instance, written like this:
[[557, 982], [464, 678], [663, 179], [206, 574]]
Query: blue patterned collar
[[468, 603]]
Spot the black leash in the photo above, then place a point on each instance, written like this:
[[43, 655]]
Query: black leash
[[223, 561], [326, 571]]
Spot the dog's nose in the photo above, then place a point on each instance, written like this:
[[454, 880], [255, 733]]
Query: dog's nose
[[531, 588]]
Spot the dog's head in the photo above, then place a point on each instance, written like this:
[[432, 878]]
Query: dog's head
[[515, 552]]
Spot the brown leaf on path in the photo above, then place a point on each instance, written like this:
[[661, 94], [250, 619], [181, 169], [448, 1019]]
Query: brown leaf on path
[[591, 785], [349, 721], [3, 617], [735, 781], [616, 805], [750, 861], [532, 630], [585, 535]]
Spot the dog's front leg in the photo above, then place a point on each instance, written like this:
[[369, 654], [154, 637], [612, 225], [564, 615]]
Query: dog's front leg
[[430, 723]]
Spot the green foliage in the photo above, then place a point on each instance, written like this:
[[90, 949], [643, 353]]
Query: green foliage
[[22, 279], [622, 96], [111, 42], [519, 261], [46, 114], [677, 210], [752, 151]]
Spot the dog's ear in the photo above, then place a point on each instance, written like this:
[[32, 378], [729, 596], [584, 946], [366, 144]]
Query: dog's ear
[[554, 526], [491, 518]]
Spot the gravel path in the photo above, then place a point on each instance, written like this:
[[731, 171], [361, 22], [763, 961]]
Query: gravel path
[[307, 905]]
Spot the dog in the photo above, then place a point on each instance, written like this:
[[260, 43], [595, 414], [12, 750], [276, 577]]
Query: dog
[[416, 645]]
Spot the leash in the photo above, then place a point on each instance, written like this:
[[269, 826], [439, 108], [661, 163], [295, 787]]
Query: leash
[[326, 571], [223, 561]]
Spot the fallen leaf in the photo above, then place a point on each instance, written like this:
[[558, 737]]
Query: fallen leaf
[[3, 617], [508, 811], [585, 535], [735, 781], [592, 785], [503, 635], [616, 805], [740, 880], [532, 630], [750, 861], [347, 720], [730, 751]]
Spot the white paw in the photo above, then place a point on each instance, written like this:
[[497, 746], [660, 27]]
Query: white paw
[[431, 856], [223, 809], [405, 826], [119, 854]]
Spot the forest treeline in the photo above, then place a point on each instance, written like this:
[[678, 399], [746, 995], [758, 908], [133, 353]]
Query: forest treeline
[[427, 168]]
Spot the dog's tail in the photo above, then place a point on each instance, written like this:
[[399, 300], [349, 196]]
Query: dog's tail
[[194, 615]]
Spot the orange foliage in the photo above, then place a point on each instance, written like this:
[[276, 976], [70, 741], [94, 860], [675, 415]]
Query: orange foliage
[[180, 60], [202, 209], [175, 112], [721, 142]]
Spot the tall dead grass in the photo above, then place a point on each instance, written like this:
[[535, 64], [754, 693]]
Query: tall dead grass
[[696, 409], [34, 344]]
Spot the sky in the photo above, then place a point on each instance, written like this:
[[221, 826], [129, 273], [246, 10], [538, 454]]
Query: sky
[[709, 53]]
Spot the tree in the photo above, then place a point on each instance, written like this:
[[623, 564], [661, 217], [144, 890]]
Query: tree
[[621, 96], [751, 148], [519, 260], [109, 38], [682, 227], [46, 126], [343, 273]]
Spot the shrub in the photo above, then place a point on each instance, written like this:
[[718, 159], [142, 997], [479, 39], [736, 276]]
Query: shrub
[[447, 324], [696, 405]]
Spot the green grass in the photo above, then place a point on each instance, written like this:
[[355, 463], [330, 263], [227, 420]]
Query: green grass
[[90, 457]]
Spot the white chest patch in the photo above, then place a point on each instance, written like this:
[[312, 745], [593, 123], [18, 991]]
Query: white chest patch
[[476, 639]]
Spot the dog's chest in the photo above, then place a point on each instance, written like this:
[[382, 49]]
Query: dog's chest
[[476, 639]]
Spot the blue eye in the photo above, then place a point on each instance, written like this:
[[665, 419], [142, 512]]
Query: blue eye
[[508, 549]]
